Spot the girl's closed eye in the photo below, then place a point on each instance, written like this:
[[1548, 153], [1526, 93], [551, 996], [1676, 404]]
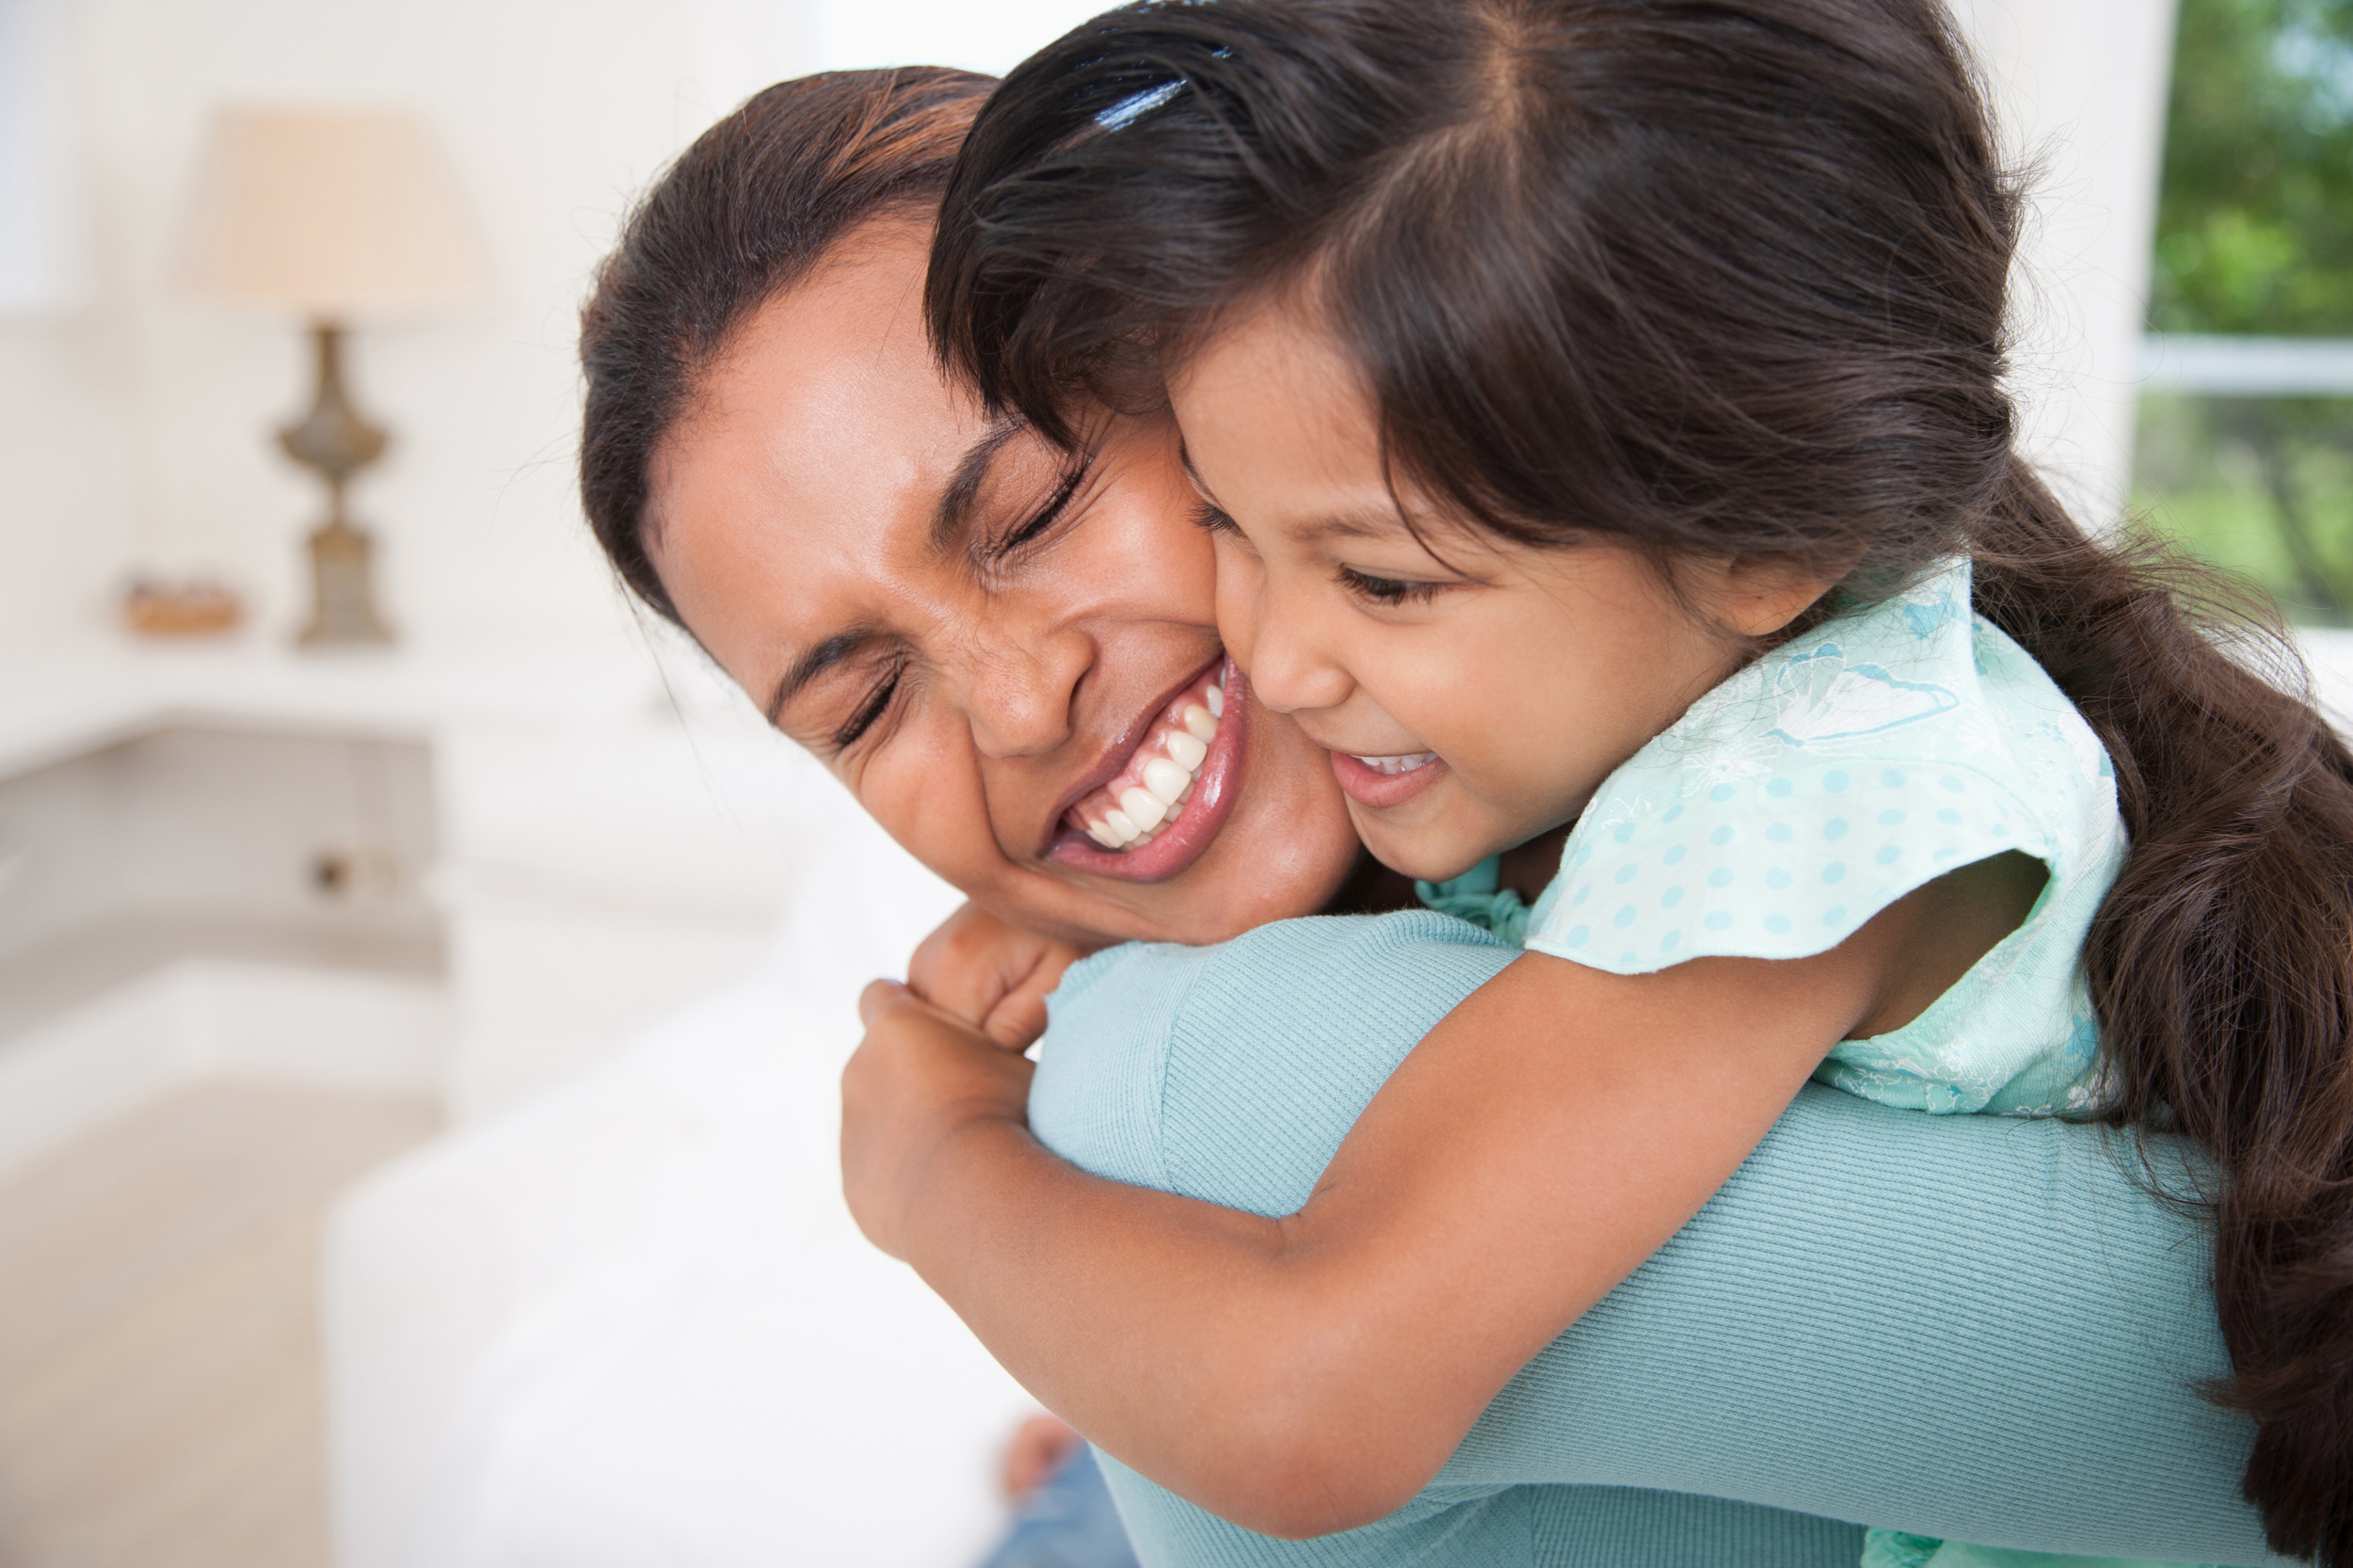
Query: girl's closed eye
[[1212, 519], [1389, 592]]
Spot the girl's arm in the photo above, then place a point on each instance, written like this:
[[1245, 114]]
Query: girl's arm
[[1966, 1327], [1310, 1373]]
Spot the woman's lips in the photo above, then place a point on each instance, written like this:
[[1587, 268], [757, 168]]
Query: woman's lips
[[1384, 783], [1172, 794]]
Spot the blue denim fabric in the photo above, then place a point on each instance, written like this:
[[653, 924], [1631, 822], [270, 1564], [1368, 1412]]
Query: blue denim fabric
[[1067, 1522]]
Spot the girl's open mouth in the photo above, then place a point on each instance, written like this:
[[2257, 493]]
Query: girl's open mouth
[[1381, 783], [1170, 795]]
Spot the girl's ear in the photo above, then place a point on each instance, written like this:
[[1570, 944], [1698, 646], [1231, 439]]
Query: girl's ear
[[1758, 596]]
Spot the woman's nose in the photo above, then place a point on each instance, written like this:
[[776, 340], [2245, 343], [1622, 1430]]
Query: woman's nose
[[1020, 688]]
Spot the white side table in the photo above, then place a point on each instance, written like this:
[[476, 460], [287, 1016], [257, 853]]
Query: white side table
[[471, 871]]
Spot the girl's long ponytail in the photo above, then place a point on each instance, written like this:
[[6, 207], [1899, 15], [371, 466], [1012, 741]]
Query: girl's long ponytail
[[2223, 963]]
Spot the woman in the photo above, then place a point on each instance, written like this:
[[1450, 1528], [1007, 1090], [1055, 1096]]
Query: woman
[[974, 634]]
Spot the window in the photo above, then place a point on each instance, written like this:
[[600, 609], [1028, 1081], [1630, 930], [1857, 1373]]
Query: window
[[2245, 426], [39, 254]]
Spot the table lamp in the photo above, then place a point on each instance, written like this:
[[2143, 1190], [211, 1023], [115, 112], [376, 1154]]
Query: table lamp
[[333, 213]]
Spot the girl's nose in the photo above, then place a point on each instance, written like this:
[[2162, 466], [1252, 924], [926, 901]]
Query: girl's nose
[[1289, 668], [1021, 687]]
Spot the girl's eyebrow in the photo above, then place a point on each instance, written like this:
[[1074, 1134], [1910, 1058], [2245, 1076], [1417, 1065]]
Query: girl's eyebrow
[[1359, 524], [1184, 457]]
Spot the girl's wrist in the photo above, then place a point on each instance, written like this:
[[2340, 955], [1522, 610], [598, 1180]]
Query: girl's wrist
[[972, 1157]]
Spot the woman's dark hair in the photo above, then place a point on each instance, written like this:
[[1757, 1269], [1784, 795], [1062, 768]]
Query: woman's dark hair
[[1730, 276], [758, 199]]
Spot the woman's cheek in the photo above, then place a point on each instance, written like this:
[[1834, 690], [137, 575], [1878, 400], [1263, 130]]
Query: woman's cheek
[[928, 798], [1289, 845]]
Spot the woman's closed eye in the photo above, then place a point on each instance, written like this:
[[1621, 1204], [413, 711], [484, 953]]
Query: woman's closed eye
[[1041, 521], [872, 708]]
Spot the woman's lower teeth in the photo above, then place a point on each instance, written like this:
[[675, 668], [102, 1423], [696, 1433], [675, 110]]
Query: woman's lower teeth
[[1151, 791], [1404, 762]]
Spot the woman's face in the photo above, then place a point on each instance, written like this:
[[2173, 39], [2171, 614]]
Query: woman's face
[[994, 646]]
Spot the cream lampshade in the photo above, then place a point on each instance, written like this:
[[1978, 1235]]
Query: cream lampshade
[[332, 213]]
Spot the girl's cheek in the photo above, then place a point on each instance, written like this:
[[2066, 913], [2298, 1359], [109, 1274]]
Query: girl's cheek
[[1239, 580]]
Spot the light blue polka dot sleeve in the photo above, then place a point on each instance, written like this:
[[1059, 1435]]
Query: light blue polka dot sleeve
[[1818, 785]]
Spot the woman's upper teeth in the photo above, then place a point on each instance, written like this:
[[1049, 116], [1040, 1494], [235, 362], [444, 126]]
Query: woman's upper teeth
[[1151, 789], [1402, 763]]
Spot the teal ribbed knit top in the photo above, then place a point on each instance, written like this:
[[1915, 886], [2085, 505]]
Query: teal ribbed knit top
[[1963, 1327]]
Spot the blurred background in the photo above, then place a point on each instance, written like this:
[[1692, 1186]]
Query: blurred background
[[421, 982]]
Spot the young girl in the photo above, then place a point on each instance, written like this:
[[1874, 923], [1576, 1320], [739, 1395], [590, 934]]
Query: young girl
[[1599, 405]]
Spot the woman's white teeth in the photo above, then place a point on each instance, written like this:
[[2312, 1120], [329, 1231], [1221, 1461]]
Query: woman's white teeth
[[1406, 762], [1165, 778], [1144, 808], [1151, 791]]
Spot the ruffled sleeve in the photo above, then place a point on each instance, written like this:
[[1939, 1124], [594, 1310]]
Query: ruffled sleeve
[[1814, 789]]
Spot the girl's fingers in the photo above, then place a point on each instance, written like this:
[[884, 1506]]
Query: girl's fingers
[[877, 998], [1016, 1022]]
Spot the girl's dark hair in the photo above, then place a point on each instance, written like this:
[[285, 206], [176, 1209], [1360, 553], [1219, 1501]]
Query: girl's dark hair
[[758, 199], [1730, 276]]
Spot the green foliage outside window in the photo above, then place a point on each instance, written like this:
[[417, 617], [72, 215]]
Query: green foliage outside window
[[2255, 221], [2255, 236]]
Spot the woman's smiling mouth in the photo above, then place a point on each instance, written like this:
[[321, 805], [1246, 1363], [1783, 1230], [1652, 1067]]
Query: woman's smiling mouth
[[1151, 791], [1171, 793]]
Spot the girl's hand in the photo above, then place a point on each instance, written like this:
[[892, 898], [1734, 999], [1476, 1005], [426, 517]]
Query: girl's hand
[[991, 975], [922, 1079]]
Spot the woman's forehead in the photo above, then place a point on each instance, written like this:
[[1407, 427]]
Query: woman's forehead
[[830, 386], [821, 441]]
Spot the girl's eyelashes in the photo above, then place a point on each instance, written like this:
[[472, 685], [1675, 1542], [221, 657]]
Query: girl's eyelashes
[[1388, 591], [1212, 519], [870, 710]]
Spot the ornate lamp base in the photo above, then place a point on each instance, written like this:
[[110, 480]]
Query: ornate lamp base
[[344, 607], [334, 441]]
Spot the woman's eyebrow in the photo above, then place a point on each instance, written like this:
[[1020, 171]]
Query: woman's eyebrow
[[816, 662], [964, 486]]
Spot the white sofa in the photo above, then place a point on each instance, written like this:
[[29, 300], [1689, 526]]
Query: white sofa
[[632, 1323]]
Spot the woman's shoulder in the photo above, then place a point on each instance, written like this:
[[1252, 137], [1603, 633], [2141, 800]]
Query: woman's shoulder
[[1222, 1072]]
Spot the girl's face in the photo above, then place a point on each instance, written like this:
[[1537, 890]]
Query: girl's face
[[983, 639], [1473, 694]]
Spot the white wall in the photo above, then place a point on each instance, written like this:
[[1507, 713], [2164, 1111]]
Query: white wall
[[555, 113], [143, 418], [2080, 86], [135, 424]]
